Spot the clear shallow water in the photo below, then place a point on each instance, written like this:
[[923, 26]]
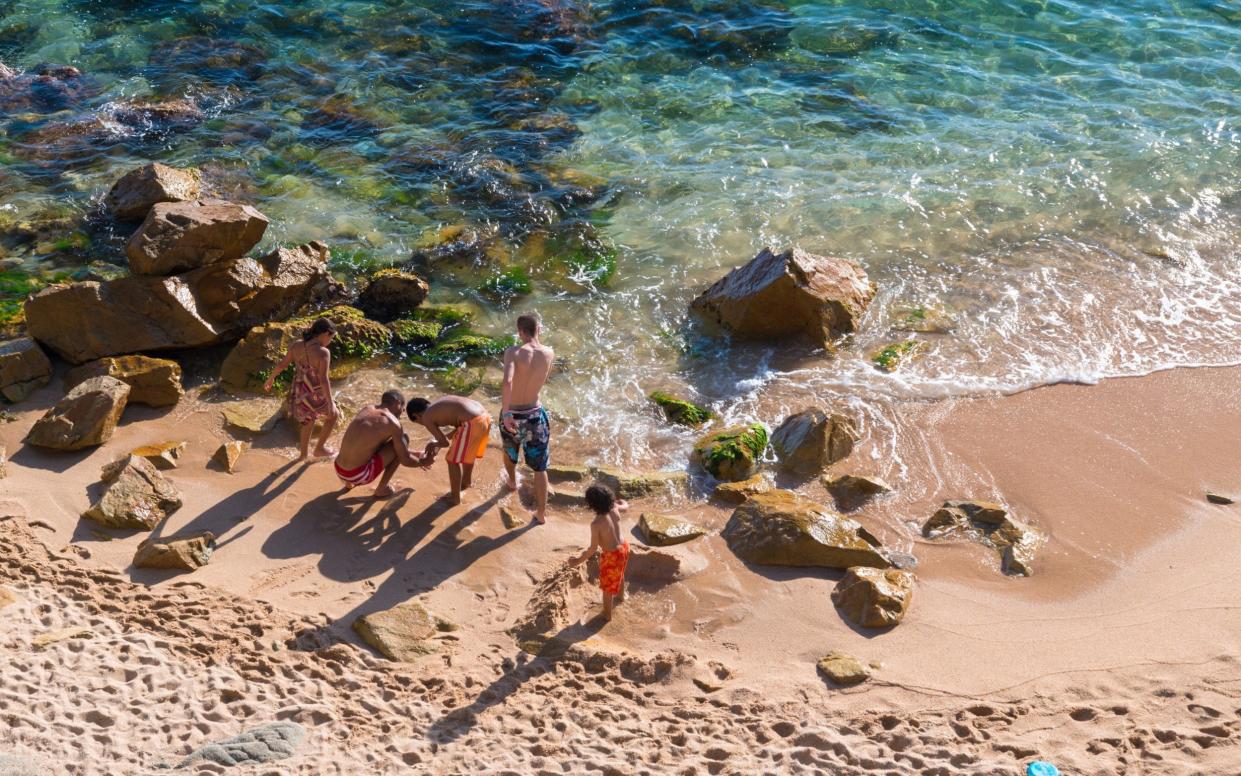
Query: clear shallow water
[[1063, 179]]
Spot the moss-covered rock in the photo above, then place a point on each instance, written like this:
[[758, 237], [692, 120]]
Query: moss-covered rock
[[893, 356], [732, 454], [460, 380], [923, 319], [411, 332], [508, 283], [447, 315], [356, 335], [681, 412], [392, 293], [460, 346]]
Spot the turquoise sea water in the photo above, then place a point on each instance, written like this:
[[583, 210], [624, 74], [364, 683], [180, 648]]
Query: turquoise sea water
[[1062, 179]]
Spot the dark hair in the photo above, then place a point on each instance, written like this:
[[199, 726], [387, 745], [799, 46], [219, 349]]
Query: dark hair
[[392, 398], [600, 498], [321, 326], [528, 324], [416, 407]]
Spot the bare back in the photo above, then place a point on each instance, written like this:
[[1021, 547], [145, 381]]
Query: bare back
[[310, 355], [370, 429], [531, 363], [606, 530]]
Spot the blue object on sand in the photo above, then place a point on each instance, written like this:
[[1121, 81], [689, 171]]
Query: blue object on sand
[[1041, 768]]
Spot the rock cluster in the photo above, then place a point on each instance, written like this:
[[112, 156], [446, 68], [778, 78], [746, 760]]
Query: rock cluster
[[989, 524]]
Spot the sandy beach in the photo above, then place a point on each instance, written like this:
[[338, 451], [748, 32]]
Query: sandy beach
[[1119, 655]]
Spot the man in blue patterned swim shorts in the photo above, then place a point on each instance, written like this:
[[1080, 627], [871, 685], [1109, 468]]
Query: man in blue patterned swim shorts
[[524, 427]]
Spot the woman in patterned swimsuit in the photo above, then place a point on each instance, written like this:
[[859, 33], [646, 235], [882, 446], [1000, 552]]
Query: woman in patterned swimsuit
[[310, 398]]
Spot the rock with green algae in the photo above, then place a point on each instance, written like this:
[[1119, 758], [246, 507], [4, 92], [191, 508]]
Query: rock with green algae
[[782, 528], [356, 335], [459, 346], [408, 331], [681, 412], [508, 283], [732, 454], [893, 356], [922, 319], [460, 380], [403, 633], [447, 315], [392, 294], [662, 530]]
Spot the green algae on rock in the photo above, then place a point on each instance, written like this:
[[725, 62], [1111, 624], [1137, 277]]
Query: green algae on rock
[[408, 331], [460, 346], [508, 283], [679, 411], [893, 356], [732, 454], [391, 294]]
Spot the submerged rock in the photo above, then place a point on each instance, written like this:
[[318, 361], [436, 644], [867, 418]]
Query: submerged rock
[[404, 633], [874, 598], [990, 524], [24, 368], [155, 382], [681, 412], [816, 297], [207, 306], [132, 197], [183, 551], [392, 294], [163, 455], [895, 355], [923, 319], [852, 491], [810, 440], [46, 89], [732, 454], [843, 670], [86, 417], [660, 530], [181, 236], [782, 528], [136, 496]]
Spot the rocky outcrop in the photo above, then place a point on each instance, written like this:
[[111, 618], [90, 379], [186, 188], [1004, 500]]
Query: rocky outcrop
[[86, 417], [633, 486], [810, 440], [263, 744], [184, 552], [851, 491], [228, 454], [162, 455], [136, 496], [660, 530], [781, 528], [24, 368], [249, 363], [181, 236], [739, 492], [843, 670], [874, 598], [46, 89], [404, 633], [392, 294], [790, 294], [132, 197], [207, 306], [681, 412], [154, 382], [990, 524], [732, 454]]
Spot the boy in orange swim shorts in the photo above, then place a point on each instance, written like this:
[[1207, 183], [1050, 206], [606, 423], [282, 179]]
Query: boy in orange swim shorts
[[471, 427], [605, 536]]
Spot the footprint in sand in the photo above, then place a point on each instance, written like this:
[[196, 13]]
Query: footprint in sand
[[279, 577]]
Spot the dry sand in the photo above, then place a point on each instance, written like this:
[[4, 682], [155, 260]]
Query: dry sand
[[1119, 656]]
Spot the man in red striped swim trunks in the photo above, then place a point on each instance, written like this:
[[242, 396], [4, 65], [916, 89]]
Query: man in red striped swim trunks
[[471, 428], [374, 444]]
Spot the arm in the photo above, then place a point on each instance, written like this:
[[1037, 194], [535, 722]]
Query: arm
[[594, 545], [276, 370], [400, 443], [440, 439], [621, 506], [506, 392]]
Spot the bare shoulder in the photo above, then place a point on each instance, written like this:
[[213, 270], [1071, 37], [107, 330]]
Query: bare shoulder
[[547, 352]]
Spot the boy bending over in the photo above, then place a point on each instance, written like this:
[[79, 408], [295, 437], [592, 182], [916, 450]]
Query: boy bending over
[[605, 536]]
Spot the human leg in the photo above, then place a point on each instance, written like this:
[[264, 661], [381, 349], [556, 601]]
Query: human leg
[[607, 606], [321, 449], [304, 432], [454, 482], [390, 463], [540, 497], [467, 475]]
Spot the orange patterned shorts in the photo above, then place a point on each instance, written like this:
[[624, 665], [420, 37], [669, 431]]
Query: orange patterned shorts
[[612, 569]]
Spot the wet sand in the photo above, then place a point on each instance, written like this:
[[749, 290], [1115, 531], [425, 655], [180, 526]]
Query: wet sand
[[1120, 655]]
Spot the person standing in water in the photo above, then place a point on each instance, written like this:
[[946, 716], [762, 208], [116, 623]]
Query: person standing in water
[[524, 426], [471, 427], [310, 398]]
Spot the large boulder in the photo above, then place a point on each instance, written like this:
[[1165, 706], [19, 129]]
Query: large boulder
[[781, 528], [185, 552], [136, 495], [24, 368], [180, 236], [249, 363], [392, 294], [660, 530], [155, 382], [732, 454], [85, 417], [874, 598], [133, 196], [990, 524], [809, 440], [404, 633], [207, 306], [777, 296]]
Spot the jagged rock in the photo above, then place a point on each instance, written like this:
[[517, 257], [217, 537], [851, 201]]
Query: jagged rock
[[739, 492], [732, 454], [253, 415], [180, 236], [186, 552], [162, 455], [634, 486], [228, 454], [155, 382], [781, 528], [816, 297], [681, 412], [1219, 498], [990, 524], [136, 495], [809, 440], [512, 518], [843, 670], [251, 360], [86, 417], [392, 294], [404, 632], [852, 491], [874, 598], [264, 744], [207, 306], [660, 530], [24, 368], [133, 196]]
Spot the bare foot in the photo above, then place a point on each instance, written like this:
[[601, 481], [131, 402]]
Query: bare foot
[[385, 491], [451, 499], [540, 519], [511, 487], [324, 452]]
